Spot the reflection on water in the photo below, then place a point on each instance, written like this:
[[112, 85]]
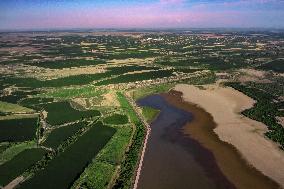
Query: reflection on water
[[173, 160]]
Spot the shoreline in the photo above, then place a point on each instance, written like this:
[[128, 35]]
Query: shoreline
[[245, 136], [137, 171]]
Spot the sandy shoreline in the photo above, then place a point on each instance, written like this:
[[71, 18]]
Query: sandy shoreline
[[246, 135]]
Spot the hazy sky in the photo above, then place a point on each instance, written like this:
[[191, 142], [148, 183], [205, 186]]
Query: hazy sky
[[39, 14]]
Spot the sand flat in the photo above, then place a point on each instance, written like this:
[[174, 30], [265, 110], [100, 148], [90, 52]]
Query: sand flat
[[225, 105]]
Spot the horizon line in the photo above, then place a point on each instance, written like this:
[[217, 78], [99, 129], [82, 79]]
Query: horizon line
[[134, 28]]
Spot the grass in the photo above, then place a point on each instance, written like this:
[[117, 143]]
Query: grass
[[68, 63], [35, 102], [99, 174], [136, 77], [9, 107], [18, 116], [82, 79], [4, 146], [145, 91], [63, 170], [116, 119], [59, 135], [79, 92], [126, 173], [149, 113], [62, 112], [204, 79], [15, 149], [18, 130], [275, 65], [17, 165], [17, 96]]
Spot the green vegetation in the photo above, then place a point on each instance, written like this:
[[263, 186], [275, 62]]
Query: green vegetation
[[149, 113], [62, 112], [65, 168], [59, 135], [125, 179], [67, 93], [82, 79], [17, 95], [142, 92], [275, 88], [207, 78], [8, 108], [18, 130], [39, 79], [68, 63], [3, 147], [15, 148], [275, 65], [35, 103], [103, 169], [136, 77], [265, 111], [22, 161], [211, 63], [116, 119]]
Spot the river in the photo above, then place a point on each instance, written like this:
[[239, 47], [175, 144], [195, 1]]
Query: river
[[176, 159]]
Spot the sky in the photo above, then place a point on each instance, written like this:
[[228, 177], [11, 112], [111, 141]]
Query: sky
[[60, 14]]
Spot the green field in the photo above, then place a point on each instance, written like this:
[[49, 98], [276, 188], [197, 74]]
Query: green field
[[116, 119], [68, 92], [126, 174], [18, 130], [149, 113], [275, 65], [62, 112], [136, 77], [100, 173], [68, 63], [59, 135], [21, 162], [65, 169], [13, 108]]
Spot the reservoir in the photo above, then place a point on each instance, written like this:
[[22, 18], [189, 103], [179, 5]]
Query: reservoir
[[177, 158]]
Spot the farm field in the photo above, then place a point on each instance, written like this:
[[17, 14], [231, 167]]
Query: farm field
[[66, 97], [57, 136], [18, 130], [17, 165], [62, 170], [62, 112]]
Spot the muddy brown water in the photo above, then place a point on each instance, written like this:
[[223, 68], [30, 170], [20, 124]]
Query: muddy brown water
[[184, 152]]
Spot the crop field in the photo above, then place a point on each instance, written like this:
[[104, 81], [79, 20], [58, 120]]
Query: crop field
[[62, 112], [57, 136], [64, 169], [65, 96], [136, 77], [68, 63], [13, 168], [35, 103], [16, 96], [13, 108], [116, 119], [18, 130], [275, 65]]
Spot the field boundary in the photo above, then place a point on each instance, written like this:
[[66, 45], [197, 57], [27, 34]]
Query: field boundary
[[148, 132]]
